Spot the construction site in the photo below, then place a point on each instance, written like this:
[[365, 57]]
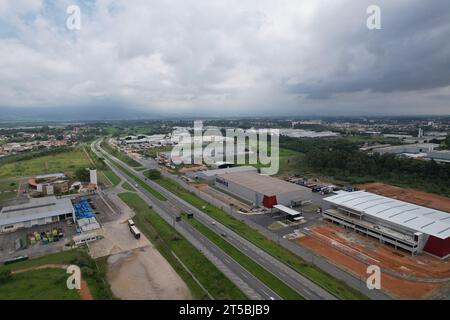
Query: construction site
[[404, 276], [418, 270]]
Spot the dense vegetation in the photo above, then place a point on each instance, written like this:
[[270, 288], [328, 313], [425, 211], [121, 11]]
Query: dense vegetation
[[153, 174], [342, 160], [446, 144]]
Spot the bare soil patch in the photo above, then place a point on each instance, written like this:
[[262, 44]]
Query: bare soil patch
[[354, 252], [409, 195], [144, 274]]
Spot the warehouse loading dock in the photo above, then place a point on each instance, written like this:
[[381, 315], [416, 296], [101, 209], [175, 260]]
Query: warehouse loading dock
[[291, 214]]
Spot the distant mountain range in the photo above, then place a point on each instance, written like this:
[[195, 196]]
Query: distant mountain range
[[73, 113]]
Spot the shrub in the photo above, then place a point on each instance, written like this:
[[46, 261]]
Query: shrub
[[153, 174], [5, 276]]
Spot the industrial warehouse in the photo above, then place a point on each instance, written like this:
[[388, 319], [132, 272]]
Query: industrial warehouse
[[403, 225], [261, 190], [37, 211]]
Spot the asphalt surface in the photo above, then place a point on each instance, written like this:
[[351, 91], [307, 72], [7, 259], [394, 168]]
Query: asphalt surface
[[255, 222], [248, 283], [299, 283]]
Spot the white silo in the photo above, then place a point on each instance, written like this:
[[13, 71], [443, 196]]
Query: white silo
[[93, 176]]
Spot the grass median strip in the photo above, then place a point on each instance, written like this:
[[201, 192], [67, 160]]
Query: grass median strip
[[259, 272], [102, 168], [337, 287], [127, 186], [139, 181], [120, 155], [167, 240], [115, 180]]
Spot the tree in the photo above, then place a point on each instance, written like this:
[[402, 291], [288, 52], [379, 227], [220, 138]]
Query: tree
[[82, 174], [153, 174], [447, 143], [5, 276]]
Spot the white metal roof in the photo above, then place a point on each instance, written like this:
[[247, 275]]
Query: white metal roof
[[50, 175], [420, 219], [265, 185], [287, 210], [215, 172], [36, 208]]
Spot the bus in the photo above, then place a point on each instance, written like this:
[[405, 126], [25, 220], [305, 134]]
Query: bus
[[135, 231]]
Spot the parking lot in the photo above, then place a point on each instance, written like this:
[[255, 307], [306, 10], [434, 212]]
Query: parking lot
[[9, 242], [105, 209]]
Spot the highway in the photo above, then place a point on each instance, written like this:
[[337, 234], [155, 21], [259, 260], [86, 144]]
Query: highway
[[249, 284], [293, 279], [325, 265]]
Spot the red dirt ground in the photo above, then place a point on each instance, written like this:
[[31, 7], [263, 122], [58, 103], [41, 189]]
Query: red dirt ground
[[193, 168], [409, 195], [355, 252]]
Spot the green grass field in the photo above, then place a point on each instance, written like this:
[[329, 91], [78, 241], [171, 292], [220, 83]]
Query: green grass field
[[120, 155], [66, 162], [51, 283], [139, 181], [8, 189], [127, 186], [168, 240], [292, 162], [44, 284], [334, 286], [259, 272]]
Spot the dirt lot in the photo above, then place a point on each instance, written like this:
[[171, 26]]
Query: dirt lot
[[144, 274], [355, 252], [409, 195], [116, 235], [192, 168]]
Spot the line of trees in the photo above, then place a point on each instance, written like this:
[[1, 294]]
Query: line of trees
[[343, 160]]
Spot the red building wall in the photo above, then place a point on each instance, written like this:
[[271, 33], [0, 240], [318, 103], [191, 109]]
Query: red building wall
[[438, 247], [269, 201]]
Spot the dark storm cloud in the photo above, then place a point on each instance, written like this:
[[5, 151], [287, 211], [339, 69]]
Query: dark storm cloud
[[410, 53], [214, 56]]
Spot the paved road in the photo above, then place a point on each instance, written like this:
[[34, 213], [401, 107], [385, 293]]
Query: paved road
[[307, 255], [249, 284], [299, 283]]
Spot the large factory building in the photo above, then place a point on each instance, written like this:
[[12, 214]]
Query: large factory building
[[35, 212], [261, 190], [403, 225]]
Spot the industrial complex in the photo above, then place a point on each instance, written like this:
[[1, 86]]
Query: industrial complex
[[403, 225], [37, 211], [417, 150], [261, 190]]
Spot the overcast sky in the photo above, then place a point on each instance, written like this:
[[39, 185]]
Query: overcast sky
[[232, 57]]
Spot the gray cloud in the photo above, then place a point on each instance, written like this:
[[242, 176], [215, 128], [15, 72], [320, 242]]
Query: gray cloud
[[257, 56]]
